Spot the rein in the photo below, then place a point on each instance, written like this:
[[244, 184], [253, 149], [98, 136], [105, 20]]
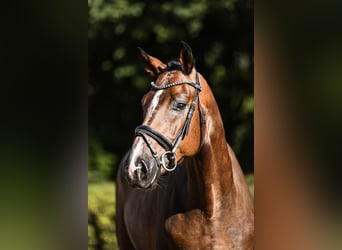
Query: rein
[[147, 132]]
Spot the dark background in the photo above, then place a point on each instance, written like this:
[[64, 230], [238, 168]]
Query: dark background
[[220, 34]]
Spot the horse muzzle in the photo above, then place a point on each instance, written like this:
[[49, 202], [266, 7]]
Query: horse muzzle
[[141, 172]]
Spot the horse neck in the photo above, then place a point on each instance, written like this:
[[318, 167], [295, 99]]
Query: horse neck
[[210, 170]]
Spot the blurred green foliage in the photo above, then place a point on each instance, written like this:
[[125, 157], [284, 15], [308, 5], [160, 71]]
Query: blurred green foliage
[[101, 216], [250, 182], [220, 33], [100, 162]]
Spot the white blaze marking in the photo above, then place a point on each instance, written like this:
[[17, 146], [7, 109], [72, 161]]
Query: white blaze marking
[[154, 104], [137, 150]]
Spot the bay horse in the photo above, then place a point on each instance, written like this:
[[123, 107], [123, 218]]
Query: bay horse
[[180, 185]]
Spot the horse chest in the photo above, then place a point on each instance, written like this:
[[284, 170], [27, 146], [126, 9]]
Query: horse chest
[[192, 230]]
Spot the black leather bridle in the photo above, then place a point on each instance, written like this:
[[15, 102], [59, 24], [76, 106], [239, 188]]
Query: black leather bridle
[[147, 132]]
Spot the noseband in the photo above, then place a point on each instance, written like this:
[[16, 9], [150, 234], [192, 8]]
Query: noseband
[[147, 132]]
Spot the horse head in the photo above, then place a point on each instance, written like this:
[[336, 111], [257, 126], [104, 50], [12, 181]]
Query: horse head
[[172, 119]]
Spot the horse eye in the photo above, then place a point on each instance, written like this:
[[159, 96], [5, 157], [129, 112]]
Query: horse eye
[[180, 105]]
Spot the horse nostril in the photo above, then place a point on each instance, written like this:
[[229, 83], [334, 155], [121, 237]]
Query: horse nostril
[[141, 171]]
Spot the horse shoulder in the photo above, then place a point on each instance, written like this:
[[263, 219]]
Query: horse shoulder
[[193, 230], [188, 230]]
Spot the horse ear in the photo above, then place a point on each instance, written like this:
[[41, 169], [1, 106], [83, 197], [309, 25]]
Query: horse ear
[[152, 65], [186, 58]]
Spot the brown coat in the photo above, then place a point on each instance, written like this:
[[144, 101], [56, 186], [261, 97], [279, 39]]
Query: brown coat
[[205, 203]]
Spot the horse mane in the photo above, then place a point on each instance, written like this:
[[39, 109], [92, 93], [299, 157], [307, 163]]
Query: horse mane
[[173, 64]]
